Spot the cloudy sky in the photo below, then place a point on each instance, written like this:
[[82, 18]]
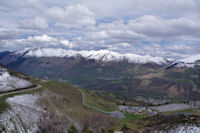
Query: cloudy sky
[[167, 28]]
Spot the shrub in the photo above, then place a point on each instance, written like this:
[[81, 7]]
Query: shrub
[[111, 130], [103, 130], [72, 129], [125, 128]]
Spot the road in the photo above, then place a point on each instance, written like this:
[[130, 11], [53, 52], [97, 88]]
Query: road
[[14, 92], [114, 114], [171, 107]]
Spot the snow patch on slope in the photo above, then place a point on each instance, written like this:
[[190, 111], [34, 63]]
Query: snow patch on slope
[[101, 55], [24, 114], [31, 101], [8, 82]]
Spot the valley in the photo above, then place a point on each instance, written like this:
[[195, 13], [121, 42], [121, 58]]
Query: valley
[[95, 95], [124, 79], [64, 106]]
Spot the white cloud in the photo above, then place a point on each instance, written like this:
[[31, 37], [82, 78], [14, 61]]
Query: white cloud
[[135, 8], [159, 27], [36, 23], [37, 41], [43, 38], [71, 16], [155, 27], [67, 43]]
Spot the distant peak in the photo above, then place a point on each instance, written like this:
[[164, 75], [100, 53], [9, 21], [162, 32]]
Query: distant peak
[[186, 62]]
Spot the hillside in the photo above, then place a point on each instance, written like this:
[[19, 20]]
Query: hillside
[[55, 106], [52, 108]]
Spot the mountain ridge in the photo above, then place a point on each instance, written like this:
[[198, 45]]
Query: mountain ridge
[[100, 55]]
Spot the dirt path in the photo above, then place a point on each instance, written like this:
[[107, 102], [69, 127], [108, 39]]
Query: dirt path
[[114, 114]]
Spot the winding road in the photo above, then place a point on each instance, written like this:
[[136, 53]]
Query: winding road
[[114, 114], [18, 91]]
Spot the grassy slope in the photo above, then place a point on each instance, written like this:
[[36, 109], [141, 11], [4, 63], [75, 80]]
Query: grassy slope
[[68, 101], [65, 100], [92, 98]]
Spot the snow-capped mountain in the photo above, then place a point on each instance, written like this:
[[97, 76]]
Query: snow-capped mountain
[[191, 61], [101, 55], [186, 62]]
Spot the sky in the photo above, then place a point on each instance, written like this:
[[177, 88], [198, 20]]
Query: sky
[[166, 28]]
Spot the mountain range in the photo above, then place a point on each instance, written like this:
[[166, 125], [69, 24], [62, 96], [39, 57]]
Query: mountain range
[[101, 55], [128, 76]]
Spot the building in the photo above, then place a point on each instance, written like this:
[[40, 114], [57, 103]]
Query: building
[[118, 132], [132, 109]]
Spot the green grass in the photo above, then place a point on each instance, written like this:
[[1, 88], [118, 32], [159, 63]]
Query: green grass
[[131, 120], [92, 99], [135, 117], [3, 104]]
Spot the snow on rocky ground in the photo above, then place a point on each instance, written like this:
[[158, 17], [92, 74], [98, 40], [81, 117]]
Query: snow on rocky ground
[[181, 129], [8, 82], [24, 114], [186, 129]]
